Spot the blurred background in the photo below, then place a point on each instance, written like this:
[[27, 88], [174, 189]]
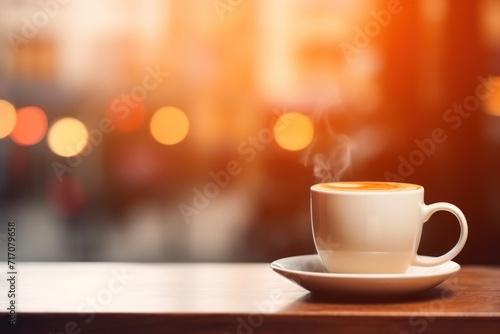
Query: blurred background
[[191, 130]]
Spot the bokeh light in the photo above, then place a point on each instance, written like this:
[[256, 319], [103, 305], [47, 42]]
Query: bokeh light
[[293, 131], [169, 125], [31, 126], [492, 103], [126, 113], [7, 117], [67, 137]]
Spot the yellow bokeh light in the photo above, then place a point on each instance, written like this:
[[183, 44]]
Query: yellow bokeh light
[[293, 131], [169, 125], [7, 118], [492, 102], [67, 137]]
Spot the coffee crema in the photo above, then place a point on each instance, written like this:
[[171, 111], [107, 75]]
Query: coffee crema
[[366, 186]]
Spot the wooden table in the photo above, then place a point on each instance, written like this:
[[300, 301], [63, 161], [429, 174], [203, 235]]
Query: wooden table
[[232, 298]]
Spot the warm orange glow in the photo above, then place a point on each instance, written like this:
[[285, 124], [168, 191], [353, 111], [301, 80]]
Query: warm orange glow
[[489, 10], [7, 118], [67, 137], [434, 11], [127, 114], [492, 103], [169, 125], [293, 131], [31, 126]]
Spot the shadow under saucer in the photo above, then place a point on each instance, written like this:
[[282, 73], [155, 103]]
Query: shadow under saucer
[[436, 293]]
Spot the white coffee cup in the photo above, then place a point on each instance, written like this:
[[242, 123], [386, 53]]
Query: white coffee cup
[[374, 227]]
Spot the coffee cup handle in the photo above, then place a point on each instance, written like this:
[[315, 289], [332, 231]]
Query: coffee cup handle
[[428, 211]]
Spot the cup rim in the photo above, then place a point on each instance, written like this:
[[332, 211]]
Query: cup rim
[[353, 190]]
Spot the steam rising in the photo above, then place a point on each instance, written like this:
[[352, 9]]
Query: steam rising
[[332, 166], [331, 152]]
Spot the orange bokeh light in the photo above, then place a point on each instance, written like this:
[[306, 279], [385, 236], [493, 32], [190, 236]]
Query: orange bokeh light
[[293, 131], [169, 125], [31, 126], [492, 103], [7, 117], [126, 113]]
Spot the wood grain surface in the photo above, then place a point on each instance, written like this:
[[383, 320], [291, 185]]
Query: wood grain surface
[[233, 298]]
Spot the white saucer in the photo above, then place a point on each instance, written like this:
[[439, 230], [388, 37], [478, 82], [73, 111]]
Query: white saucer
[[309, 272]]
